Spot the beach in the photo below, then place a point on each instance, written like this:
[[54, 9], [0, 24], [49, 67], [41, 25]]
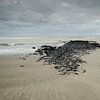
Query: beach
[[26, 79]]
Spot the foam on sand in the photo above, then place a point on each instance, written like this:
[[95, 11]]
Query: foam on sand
[[16, 50]]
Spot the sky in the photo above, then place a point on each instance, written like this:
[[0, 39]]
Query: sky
[[49, 17]]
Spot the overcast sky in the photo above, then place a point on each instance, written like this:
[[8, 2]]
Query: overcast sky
[[49, 17]]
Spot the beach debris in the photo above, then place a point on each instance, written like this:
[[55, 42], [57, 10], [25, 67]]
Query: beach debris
[[34, 53], [84, 70], [22, 66], [33, 47], [30, 54], [45, 50], [67, 58]]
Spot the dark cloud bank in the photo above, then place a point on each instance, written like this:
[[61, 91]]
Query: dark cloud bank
[[36, 17]]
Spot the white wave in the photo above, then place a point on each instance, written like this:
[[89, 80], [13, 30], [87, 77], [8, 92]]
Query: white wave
[[16, 50], [9, 44]]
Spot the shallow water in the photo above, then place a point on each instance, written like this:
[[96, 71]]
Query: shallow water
[[17, 45], [19, 49]]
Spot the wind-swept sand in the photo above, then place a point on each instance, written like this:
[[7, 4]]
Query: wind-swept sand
[[36, 81]]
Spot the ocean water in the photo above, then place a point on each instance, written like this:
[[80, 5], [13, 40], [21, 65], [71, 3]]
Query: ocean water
[[17, 49], [20, 45]]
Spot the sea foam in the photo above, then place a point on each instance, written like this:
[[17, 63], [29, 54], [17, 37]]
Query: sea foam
[[16, 50]]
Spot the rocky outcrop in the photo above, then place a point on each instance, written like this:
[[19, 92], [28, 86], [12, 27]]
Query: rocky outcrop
[[67, 58]]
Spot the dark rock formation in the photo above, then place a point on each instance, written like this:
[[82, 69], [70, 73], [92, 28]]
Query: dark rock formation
[[46, 50], [22, 66], [33, 47], [67, 58]]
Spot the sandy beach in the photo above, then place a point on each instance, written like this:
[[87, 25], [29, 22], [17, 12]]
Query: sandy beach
[[26, 79], [49, 49], [22, 78]]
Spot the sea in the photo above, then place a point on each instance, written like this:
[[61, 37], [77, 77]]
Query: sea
[[20, 45]]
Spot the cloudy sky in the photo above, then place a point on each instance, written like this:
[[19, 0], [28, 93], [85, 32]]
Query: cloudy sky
[[49, 17]]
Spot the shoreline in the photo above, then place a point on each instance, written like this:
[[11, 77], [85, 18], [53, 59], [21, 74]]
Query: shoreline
[[22, 78], [41, 82]]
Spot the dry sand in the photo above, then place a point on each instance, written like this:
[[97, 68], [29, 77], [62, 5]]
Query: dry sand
[[36, 81]]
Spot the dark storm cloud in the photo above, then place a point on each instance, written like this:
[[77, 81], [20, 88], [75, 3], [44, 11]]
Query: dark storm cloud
[[79, 14]]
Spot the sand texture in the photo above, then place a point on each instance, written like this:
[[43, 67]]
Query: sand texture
[[26, 79]]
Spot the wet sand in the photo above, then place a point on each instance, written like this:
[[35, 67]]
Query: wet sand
[[35, 81]]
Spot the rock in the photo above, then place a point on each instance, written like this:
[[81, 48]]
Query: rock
[[76, 73], [34, 54], [45, 49], [22, 66], [67, 58], [33, 47], [84, 70]]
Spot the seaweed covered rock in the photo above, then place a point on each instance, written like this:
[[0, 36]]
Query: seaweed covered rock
[[67, 58], [46, 50]]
